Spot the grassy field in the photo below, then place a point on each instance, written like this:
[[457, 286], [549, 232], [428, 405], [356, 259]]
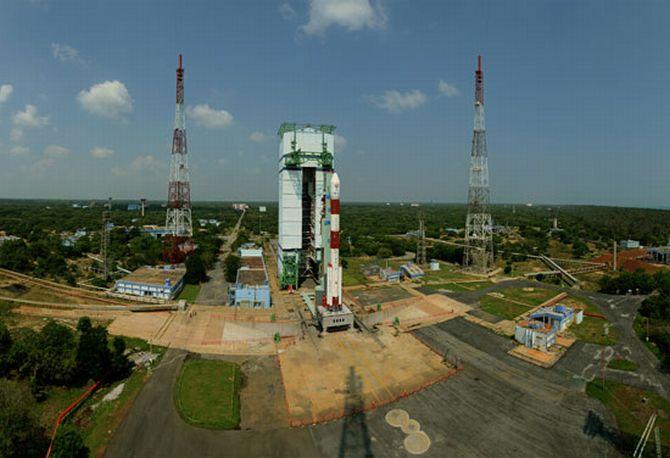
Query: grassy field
[[207, 393], [591, 329], [502, 308], [447, 272], [632, 408], [622, 364], [189, 293], [531, 296], [352, 275]]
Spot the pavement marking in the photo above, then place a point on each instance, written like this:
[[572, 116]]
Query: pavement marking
[[412, 426], [397, 417], [417, 443]]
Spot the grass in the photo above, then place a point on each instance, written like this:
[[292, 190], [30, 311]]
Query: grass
[[632, 408], [352, 275], [447, 272], [502, 308], [207, 393], [622, 364], [456, 287], [640, 327], [533, 298], [189, 293], [592, 330]]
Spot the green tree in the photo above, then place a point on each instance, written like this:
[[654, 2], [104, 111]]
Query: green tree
[[20, 432], [93, 353], [69, 444], [196, 269], [57, 354], [120, 364], [230, 266], [24, 354], [5, 347]]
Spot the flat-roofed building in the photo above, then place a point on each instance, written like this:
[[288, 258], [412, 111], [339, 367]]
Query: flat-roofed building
[[159, 282], [251, 288]]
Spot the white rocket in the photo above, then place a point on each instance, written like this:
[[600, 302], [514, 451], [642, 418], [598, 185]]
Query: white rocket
[[334, 269]]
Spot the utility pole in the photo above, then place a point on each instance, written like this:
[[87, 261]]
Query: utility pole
[[614, 256], [104, 239], [478, 254]]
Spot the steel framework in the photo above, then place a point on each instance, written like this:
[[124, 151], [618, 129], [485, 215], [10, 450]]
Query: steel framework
[[478, 254], [178, 220]]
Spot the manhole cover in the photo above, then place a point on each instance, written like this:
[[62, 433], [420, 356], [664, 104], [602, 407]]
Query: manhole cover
[[412, 426], [397, 418], [417, 443]]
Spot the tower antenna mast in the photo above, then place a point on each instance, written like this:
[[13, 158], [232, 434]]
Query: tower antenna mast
[[478, 255]]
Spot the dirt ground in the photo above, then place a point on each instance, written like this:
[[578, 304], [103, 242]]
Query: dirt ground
[[317, 377], [373, 296]]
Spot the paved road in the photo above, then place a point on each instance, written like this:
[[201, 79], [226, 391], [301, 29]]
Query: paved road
[[215, 290], [153, 428]]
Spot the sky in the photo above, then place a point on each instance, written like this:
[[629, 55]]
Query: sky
[[576, 97]]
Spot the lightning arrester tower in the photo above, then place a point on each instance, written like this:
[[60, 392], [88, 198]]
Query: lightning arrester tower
[[478, 254], [178, 221]]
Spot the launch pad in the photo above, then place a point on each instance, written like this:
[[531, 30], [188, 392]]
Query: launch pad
[[334, 320]]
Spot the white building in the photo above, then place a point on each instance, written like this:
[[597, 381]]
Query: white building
[[159, 282], [305, 162]]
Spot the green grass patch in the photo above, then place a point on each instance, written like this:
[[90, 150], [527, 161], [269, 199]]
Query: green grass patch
[[447, 272], [207, 393], [189, 293], [529, 296], [622, 364], [641, 327], [57, 400], [632, 408], [593, 330], [352, 275], [455, 287], [502, 308]]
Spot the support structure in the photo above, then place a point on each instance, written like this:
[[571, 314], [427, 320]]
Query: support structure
[[478, 255], [178, 221], [421, 243], [104, 240], [305, 166]]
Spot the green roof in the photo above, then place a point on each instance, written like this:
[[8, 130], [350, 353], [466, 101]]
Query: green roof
[[292, 127]]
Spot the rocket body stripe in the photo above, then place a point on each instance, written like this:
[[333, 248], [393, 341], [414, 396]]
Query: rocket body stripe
[[334, 271]]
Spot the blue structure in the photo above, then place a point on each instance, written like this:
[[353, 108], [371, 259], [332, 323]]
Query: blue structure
[[133, 207], [390, 275], [155, 231], [251, 288], [159, 282], [412, 271], [559, 316]]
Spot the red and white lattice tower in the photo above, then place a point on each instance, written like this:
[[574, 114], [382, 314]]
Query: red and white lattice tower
[[178, 220], [334, 270]]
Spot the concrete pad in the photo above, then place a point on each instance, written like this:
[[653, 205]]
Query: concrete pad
[[318, 380]]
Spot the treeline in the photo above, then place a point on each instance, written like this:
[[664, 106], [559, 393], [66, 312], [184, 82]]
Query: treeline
[[56, 356]]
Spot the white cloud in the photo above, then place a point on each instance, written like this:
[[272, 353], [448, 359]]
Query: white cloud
[[16, 134], [29, 118], [286, 11], [222, 161], [56, 151], [110, 99], [447, 89], [340, 143], [101, 153], [259, 137], [19, 150], [65, 53], [5, 91], [42, 165], [351, 14], [141, 164], [395, 101], [208, 117]]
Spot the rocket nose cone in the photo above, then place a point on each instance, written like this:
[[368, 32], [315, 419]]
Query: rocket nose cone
[[335, 186], [335, 180]]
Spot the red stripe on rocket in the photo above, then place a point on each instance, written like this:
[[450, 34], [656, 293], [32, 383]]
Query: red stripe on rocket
[[334, 270]]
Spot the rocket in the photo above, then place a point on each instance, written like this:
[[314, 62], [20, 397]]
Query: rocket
[[334, 269]]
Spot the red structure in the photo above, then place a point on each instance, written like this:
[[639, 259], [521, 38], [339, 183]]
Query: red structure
[[178, 220]]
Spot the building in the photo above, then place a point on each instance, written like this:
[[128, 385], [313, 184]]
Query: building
[[70, 241], [159, 282], [412, 271], [434, 264], [558, 316], [659, 254], [535, 334], [390, 275], [251, 288], [133, 207], [629, 244], [156, 232], [7, 238], [305, 164]]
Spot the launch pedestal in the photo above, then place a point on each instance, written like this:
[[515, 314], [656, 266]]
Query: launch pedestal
[[331, 320]]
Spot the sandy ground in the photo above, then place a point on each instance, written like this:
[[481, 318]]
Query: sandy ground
[[316, 380]]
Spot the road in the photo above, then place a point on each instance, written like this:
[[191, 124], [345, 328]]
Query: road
[[215, 290]]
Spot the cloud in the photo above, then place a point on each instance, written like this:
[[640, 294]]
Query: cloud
[[65, 53], [286, 11], [5, 91], [259, 137], [19, 150], [222, 161], [56, 151], [340, 143], [447, 89], [351, 14], [141, 164], [42, 165], [208, 117], [395, 101], [16, 134], [110, 99], [101, 153], [29, 118]]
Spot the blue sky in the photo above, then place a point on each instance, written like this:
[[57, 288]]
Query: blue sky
[[576, 93]]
